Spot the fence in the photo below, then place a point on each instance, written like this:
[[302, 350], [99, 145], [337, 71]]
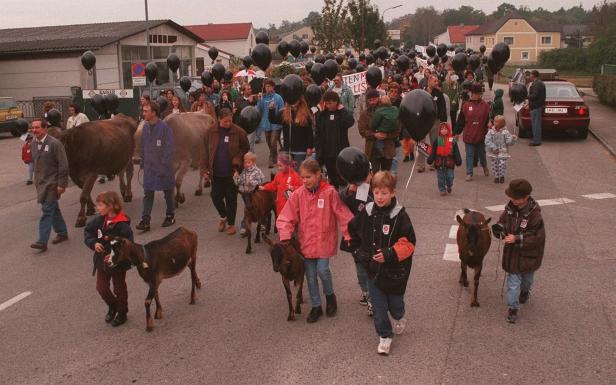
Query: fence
[[608, 69], [35, 108]]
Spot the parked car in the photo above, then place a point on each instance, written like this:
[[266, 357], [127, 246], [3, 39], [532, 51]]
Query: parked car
[[9, 113], [522, 76], [564, 110]]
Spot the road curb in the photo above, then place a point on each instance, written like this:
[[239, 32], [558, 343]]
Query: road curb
[[604, 142]]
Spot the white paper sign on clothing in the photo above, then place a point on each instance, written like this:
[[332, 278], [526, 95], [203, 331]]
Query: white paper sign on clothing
[[362, 192]]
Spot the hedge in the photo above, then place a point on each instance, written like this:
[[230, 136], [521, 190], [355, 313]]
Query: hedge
[[605, 87], [565, 59]]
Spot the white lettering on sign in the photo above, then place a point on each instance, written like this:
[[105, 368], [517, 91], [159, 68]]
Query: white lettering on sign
[[357, 82], [122, 93]]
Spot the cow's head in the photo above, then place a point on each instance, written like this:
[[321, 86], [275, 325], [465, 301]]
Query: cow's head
[[120, 251], [473, 223], [282, 253]]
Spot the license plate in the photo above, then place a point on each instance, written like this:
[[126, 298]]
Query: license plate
[[553, 110], [11, 117]]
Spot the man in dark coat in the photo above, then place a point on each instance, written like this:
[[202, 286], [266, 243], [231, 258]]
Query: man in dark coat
[[536, 101], [157, 150], [50, 179], [522, 229]]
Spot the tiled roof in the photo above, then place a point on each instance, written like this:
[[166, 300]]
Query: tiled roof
[[457, 33], [76, 37], [495, 25], [215, 32]]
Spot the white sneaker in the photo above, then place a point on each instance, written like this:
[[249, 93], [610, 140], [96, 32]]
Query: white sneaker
[[399, 325], [242, 231], [384, 346]]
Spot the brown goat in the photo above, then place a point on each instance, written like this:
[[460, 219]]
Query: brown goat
[[258, 206], [158, 260], [473, 244], [288, 261]]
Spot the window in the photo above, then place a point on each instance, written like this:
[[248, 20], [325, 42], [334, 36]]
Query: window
[[508, 40], [524, 55], [163, 39], [546, 40], [481, 39]]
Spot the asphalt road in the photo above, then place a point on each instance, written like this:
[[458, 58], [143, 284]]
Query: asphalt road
[[237, 331]]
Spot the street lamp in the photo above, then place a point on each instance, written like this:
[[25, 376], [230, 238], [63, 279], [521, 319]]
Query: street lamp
[[387, 9]]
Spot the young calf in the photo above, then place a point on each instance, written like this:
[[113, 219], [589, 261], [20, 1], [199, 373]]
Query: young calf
[[287, 260], [473, 244], [158, 260], [258, 206]]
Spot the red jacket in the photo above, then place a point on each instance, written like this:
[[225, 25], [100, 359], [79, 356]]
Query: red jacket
[[26, 154], [473, 121], [316, 215], [282, 182]]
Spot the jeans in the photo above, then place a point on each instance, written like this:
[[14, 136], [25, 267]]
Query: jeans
[[444, 177], [383, 303], [318, 266], [30, 171], [515, 284], [273, 137], [252, 137], [332, 172], [148, 203], [535, 120], [362, 277], [224, 197], [119, 296], [471, 149], [51, 218], [298, 158], [396, 160], [259, 134], [381, 164]]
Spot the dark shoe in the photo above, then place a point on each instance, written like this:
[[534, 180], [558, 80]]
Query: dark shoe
[[496, 180], [111, 314], [524, 295], [407, 158], [144, 225], [119, 319], [502, 179], [314, 315], [332, 306], [59, 239], [412, 157], [448, 189], [28, 183], [534, 144], [169, 220], [39, 246], [512, 316]]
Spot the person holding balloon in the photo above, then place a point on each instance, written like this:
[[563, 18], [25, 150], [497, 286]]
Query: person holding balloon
[[269, 100], [297, 135]]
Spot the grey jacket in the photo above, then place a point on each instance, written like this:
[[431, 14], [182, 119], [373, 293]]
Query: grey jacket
[[50, 168]]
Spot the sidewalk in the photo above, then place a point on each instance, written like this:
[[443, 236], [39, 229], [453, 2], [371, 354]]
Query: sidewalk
[[602, 121]]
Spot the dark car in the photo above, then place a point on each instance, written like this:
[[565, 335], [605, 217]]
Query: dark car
[[564, 110]]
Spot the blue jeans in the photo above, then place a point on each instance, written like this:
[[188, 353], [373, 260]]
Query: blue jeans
[[362, 277], [30, 171], [318, 266], [444, 176], [148, 203], [259, 134], [298, 158], [383, 303], [470, 149], [535, 120], [52, 218], [396, 160], [517, 283]]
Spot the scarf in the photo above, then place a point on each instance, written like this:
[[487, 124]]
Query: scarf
[[444, 143]]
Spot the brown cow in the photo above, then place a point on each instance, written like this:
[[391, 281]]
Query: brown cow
[[100, 147], [258, 208], [188, 135], [474, 241], [158, 260], [287, 259]]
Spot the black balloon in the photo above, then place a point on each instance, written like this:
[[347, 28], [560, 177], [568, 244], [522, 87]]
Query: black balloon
[[294, 48], [519, 93], [360, 68], [185, 83], [482, 48], [431, 51], [348, 52], [88, 60], [218, 71], [98, 103], [283, 49], [444, 59], [313, 95], [374, 76], [474, 61], [435, 60], [469, 51], [381, 53], [331, 69], [458, 50], [207, 78], [292, 88], [213, 53], [313, 49], [459, 62], [353, 165], [22, 126], [304, 47], [228, 76], [493, 66], [412, 54], [403, 62], [352, 62], [308, 66], [151, 70], [163, 104], [417, 113], [262, 56], [451, 47], [441, 50], [173, 62], [250, 117], [339, 59], [317, 72], [501, 54], [54, 118], [377, 43], [330, 56], [319, 58], [112, 102], [247, 62], [262, 38], [370, 59]]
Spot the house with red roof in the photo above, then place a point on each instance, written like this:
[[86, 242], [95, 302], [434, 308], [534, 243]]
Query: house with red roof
[[455, 34], [237, 39]]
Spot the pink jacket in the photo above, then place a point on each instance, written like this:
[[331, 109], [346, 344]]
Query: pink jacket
[[316, 215]]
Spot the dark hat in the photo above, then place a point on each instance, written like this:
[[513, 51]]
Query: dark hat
[[372, 93], [476, 88], [518, 188]]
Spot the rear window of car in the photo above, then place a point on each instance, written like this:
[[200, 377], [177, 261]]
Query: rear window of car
[[5, 104], [561, 91]]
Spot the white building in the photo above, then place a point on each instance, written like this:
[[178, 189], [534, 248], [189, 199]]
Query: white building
[[45, 61], [237, 39]]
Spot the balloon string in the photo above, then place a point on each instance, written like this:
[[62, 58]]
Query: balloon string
[[408, 181]]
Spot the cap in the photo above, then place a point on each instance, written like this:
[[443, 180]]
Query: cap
[[518, 188]]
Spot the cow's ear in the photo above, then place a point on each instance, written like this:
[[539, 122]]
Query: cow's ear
[[460, 221], [488, 220]]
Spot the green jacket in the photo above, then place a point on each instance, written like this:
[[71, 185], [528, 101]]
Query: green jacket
[[453, 92], [497, 105], [346, 98], [385, 119]]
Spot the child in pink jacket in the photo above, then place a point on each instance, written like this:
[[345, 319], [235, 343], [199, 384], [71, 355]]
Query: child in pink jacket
[[316, 209]]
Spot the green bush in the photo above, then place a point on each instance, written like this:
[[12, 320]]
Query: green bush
[[282, 70], [565, 59], [605, 87], [602, 51]]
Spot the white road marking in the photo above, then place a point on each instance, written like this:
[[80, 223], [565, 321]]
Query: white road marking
[[14, 300], [553, 202], [453, 231], [600, 196], [496, 208], [451, 253]]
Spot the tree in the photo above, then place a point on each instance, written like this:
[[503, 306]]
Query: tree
[[425, 24], [328, 29], [464, 15], [364, 24]]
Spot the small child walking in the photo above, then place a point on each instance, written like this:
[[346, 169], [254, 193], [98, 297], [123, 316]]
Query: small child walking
[[446, 156], [316, 210], [285, 182], [26, 156], [498, 139], [248, 181], [110, 222], [383, 238]]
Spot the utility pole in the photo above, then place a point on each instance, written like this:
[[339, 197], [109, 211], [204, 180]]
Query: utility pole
[[363, 24], [147, 31]]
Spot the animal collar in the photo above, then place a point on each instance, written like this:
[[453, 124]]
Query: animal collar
[[145, 258]]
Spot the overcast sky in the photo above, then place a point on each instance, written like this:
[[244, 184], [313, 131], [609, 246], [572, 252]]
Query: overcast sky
[[31, 13]]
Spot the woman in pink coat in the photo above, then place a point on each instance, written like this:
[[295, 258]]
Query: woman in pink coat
[[316, 209]]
